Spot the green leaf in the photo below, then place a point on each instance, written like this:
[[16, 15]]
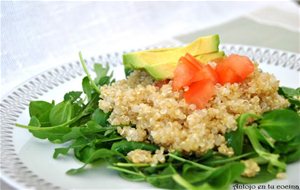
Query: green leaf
[[34, 121], [93, 127], [77, 170], [235, 139], [195, 175], [87, 87], [126, 146], [72, 96], [83, 153], [293, 156], [262, 177], [289, 92], [281, 125], [79, 143], [101, 154], [40, 110], [61, 113], [92, 83], [90, 155], [201, 166], [293, 96], [222, 177], [58, 151], [129, 174], [216, 160], [100, 117], [100, 72], [132, 177], [74, 133], [53, 134], [182, 182], [164, 179], [273, 159], [104, 80], [207, 186], [287, 147]]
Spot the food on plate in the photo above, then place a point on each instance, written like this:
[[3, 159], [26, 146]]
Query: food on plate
[[184, 118]]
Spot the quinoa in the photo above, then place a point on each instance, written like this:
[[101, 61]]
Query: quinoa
[[144, 156], [161, 116], [251, 168]]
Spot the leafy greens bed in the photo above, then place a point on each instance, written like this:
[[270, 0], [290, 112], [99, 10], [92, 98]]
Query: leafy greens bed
[[272, 140]]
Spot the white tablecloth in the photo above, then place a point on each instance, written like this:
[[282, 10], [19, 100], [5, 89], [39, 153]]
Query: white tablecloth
[[38, 35]]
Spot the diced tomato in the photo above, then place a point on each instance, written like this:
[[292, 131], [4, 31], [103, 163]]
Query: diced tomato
[[242, 65], [183, 74], [200, 92], [193, 61], [234, 68], [207, 72], [201, 79], [227, 75]]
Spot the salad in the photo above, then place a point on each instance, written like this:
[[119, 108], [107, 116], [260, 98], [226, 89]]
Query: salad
[[184, 118]]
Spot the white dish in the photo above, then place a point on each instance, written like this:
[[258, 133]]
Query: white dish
[[27, 162]]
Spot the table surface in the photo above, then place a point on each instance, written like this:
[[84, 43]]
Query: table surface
[[36, 36]]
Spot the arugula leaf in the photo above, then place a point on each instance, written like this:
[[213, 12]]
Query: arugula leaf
[[164, 179], [41, 110], [195, 175], [223, 176], [293, 156], [235, 139], [59, 151], [281, 125], [87, 88], [291, 94], [129, 174], [91, 155], [100, 117], [79, 143], [131, 177], [34, 121], [60, 113], [92, 83], [53, 134], [75, 171], [72, 96], [261, 151], [126, 146], [101, 72], [201, 166]]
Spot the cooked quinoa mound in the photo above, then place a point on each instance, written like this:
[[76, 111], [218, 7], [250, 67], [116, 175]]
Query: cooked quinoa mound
[[161, 116]]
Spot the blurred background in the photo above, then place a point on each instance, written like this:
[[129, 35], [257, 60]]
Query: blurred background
[[36, 36]]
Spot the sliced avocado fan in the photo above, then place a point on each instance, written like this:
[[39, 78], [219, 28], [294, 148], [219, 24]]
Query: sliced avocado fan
[[161, 63]]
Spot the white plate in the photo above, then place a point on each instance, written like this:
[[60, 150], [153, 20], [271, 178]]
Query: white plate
[[27, 162]]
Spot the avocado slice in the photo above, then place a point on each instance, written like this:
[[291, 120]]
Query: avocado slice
[[138, 60], [166, 70], [204, 48], [161, 71], [205, 58], [203, 45]]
